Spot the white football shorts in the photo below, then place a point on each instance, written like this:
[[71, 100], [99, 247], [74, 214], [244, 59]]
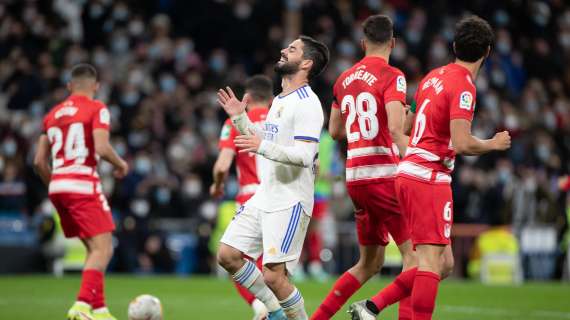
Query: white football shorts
[[278, 235]]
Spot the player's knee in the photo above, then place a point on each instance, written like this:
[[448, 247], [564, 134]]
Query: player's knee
[[273, 279], [228, 257], [409, 260], [367, 269], [447, 267]]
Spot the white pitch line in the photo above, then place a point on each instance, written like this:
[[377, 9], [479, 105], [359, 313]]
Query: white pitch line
[[540, 314]]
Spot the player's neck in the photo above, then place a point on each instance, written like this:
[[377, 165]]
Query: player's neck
[[293, 82], [81, 93], [473, 67], [384, 54]]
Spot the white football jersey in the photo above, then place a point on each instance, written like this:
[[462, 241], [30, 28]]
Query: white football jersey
[[295, 116]]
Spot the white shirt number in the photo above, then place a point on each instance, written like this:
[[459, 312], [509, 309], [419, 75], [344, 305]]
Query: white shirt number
[[420, 125], [367, 120], [74, 148]]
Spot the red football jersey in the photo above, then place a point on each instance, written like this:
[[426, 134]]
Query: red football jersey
[[246, 163], [69, 127], [362, 93], [446, 93]]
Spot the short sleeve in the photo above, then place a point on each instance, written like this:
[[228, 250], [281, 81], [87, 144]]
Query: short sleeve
[[396, 89], [101, 118], [309, 123], [227, 136], [462, 102]]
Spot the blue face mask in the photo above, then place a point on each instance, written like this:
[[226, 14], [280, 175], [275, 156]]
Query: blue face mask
[[217, 64], [162, 195], [167, 83]]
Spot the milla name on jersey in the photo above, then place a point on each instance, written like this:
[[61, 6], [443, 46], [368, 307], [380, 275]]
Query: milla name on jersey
[[359, 75]]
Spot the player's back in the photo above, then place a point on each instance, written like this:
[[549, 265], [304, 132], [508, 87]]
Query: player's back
[[446, 93], [69, 127], [362, 93]]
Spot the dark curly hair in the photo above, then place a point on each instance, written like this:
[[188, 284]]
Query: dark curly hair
[[473, 36]]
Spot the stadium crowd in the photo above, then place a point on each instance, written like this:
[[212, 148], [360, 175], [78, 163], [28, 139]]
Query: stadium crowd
[[161, 62]]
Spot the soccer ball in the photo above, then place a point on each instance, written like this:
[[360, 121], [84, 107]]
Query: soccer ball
[[145, 307]]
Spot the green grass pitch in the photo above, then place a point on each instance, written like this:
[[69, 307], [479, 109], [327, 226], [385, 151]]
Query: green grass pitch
[[44, 297]]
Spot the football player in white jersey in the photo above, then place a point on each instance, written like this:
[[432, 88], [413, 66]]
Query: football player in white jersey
[[274, 221]]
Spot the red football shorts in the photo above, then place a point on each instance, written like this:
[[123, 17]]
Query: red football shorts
[[429, 208], [82, 216], [320, 209], [378, 214]]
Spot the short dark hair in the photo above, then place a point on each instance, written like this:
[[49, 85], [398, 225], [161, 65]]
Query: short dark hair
[[317, 52], [83, 70], [260, 88], [473, 36], [378, 28]]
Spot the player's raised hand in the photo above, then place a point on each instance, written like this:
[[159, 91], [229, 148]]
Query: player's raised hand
[[231, 104], [502, 140], [122, 170]]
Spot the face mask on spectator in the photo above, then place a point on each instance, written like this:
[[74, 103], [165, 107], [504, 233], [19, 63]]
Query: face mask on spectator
[[140, 207], [143, 165], [399, 52], [346, 48], [9, 147], [543, 152], [504, 47], [498, 77], [504, 175], [121, 148], [121, 13], [242, 10], [564, 39], [130, 98], [120, 44], [218, 64], [192, 188], [438, 51], [136, 28], [167, 83], [162, 195], [100, 58]]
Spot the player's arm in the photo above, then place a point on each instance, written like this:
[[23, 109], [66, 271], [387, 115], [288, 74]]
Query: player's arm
[[41, 159], [105, 150], [466, 144], [395, 112], [220, 171], [461, 112], [336, 124]]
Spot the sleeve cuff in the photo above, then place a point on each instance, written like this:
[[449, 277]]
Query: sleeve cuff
[[264, 147]]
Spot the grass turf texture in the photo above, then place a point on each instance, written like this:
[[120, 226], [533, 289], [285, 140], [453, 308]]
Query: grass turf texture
[[44, 297]]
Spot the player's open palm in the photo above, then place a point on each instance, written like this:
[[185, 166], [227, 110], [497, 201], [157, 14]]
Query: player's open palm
[[231, 104], [502, 140]]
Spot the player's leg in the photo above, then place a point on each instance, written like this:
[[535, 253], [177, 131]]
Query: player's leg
[[99, 254], [243, 236], [447, 262], [283, 236], [258, 307], [369, 264]]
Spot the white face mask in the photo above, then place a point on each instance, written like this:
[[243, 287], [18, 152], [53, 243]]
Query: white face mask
[[192, 188]]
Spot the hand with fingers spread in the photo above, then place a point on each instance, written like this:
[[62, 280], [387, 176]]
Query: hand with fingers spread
[[248, 143], [231, 104]]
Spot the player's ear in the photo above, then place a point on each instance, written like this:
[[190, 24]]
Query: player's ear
[[97, 85], [306, 64], [69, 86], [363, 45], [393, 43], [488, 52], [454, 48]]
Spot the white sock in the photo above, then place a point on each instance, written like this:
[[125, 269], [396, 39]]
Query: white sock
[[251, 278], [294, 306]]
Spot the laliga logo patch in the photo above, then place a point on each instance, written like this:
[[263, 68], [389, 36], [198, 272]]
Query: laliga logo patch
[[105, 116], [465, 100], [401, 84], [225, 132]]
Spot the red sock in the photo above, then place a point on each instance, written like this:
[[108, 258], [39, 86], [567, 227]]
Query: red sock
[[424, 294], [92, 287], [315, 245], [343, 289], [405, 309], [244, 293], [400, 288]]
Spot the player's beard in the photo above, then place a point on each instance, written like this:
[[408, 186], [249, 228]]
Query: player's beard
[[286, 68]]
